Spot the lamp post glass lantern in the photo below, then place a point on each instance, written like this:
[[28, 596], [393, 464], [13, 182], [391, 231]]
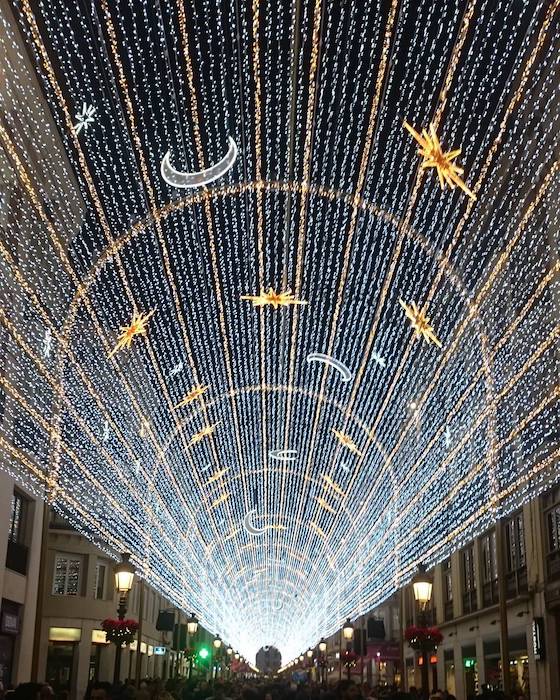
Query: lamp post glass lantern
[[348, 630], [322, 646], [422, 588], [192, 624], [124, 578]]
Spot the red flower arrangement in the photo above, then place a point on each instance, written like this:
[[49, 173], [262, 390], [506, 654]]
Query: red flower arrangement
[[423, 638], [119, 631]]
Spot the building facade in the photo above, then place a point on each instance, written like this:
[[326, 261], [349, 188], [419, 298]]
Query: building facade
[[465, 607], [20, 542], [78, 592]]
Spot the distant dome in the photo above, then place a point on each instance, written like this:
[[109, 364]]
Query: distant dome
[[268, 660]]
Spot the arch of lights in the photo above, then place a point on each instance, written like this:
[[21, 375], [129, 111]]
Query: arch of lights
[[327, 200]]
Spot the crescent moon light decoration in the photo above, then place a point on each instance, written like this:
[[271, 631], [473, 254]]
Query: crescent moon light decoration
[[176, 178], [249, 526], [283, 455], [345, 373]]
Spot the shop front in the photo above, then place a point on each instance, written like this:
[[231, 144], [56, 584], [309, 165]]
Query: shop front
[[9, 629], [61, 657]]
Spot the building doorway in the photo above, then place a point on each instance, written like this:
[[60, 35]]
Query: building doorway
[[60, 662], [6, 659]]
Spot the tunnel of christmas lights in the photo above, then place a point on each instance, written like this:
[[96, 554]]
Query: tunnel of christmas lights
[[274, 495]]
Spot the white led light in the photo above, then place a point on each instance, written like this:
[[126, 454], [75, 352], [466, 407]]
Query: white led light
[[286, 497]]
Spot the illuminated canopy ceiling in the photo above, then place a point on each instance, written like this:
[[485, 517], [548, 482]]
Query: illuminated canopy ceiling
[[286, 492]]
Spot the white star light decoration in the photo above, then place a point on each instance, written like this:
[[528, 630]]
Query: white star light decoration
[[84, 118]]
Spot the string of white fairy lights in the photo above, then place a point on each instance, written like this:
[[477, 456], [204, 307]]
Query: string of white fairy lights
[[347, 528]]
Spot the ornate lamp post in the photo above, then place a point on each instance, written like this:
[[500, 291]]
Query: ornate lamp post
[[124, 578], [217, 644], [348, 634], [422, 587], [192, 629], [229, 654], [323, 659]]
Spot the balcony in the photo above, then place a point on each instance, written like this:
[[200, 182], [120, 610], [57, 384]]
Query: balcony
[[16, 557]]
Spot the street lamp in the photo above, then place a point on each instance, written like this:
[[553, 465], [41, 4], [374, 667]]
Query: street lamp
[[217, 653], [309, 653], [124, 578], [229, 651], [192, 624], [348, 630], [422, 587], [192, 629], [323, 660]]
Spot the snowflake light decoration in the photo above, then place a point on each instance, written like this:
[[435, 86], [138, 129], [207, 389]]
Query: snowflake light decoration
[[84, 118]]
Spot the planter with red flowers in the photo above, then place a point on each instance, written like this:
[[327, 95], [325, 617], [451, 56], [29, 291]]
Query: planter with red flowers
[[423, 638], [119, 631], [349, 658]]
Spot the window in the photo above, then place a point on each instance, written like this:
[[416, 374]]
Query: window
[[516, 559], [515, 543], [67, 569], [100, 573], [16, 552], [489, 562], [447, 589], [17, 520], [553, 527], [551, 507], [469, 580]]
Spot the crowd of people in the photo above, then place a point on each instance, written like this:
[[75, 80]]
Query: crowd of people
[[245, 689]]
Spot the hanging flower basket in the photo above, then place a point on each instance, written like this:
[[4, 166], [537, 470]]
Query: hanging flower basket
[[119, 631], [349, 659], [423, 638]]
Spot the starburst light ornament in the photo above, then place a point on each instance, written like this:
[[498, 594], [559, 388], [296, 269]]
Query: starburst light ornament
[[420, 323], [137, 327], [274, 299], [84, 118], [431, 151], [346, 441], [205, 432], [193, 394]]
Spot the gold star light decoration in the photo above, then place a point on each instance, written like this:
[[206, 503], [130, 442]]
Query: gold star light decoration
[[193, 394], [420, 323], [431, 151], [274, 299], [137, 327], [205, 432], [346, 441]]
